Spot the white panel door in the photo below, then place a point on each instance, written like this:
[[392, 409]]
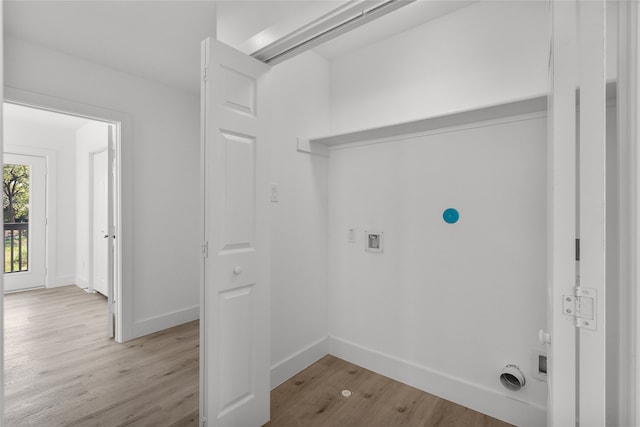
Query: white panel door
[[100, 226], [235, 331], [26, 266]]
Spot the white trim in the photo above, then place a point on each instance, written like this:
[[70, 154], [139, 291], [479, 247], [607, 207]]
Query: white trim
[[450, 129], [2, 376], [592, 199], [300, 360], [455, 120], [628, 112], [561, 213], [470, 395], [307, 146], [203, 231], [81, 283], [169, 320], [124, 232]]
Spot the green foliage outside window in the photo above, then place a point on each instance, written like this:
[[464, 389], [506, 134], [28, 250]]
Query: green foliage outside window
[[15, 203]]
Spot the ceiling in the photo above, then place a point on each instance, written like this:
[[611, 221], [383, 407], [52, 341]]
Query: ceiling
[[160, 39]]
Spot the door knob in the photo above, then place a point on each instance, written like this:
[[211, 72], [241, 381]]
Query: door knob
[[237, 270]]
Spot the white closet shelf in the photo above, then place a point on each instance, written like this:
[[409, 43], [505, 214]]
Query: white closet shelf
[[516, 108]]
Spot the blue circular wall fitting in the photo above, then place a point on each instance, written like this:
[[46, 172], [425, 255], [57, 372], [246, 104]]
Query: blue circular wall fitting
[[451, 216]]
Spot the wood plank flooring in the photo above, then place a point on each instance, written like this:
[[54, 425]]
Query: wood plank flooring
[[61, 370], [313, 398]]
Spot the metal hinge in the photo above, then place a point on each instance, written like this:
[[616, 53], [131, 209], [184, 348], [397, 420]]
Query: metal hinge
[[581, 306], [204, 74], [204, 249], [204, 422]]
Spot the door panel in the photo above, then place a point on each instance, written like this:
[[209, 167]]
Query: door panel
[[34, 249], [100, 206], [240, 191], [235, 379]]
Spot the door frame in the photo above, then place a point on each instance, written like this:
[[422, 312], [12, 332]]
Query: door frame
[[628, 113], [123, 274]]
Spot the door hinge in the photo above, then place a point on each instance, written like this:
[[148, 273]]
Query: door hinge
[[204, 248], [204, 422], [582, 307], [577, 249], [204, 74]]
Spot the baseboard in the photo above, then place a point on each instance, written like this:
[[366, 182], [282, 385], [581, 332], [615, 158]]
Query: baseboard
[[473, 396], [61, 281], [158, 323], [81, 283], [285, 369]]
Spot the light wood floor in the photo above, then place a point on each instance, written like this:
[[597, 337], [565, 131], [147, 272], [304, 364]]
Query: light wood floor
[[61, 370], [313, 398]]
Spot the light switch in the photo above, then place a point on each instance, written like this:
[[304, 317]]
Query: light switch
[[351, 235], [275, 193]]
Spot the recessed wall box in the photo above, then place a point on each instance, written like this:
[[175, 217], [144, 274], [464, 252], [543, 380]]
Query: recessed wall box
[[374, 241], [539, 364]]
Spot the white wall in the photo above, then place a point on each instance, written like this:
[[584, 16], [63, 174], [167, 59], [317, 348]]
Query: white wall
[[162, 176], [300, 108], [486, 54], [446, 306], [58, 145], [380, 308], [90, 138]]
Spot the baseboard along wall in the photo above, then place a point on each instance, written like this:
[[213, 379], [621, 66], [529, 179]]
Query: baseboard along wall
[[158, 323]]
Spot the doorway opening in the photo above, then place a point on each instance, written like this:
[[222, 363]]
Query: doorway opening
[[61, 181], [24, 186]]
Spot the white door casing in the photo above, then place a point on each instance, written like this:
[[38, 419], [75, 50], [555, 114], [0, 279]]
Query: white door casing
[[111, 206], [102, 212], [36, 276], [576, 208], [561, 217], [235, 317], [592, 211]]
